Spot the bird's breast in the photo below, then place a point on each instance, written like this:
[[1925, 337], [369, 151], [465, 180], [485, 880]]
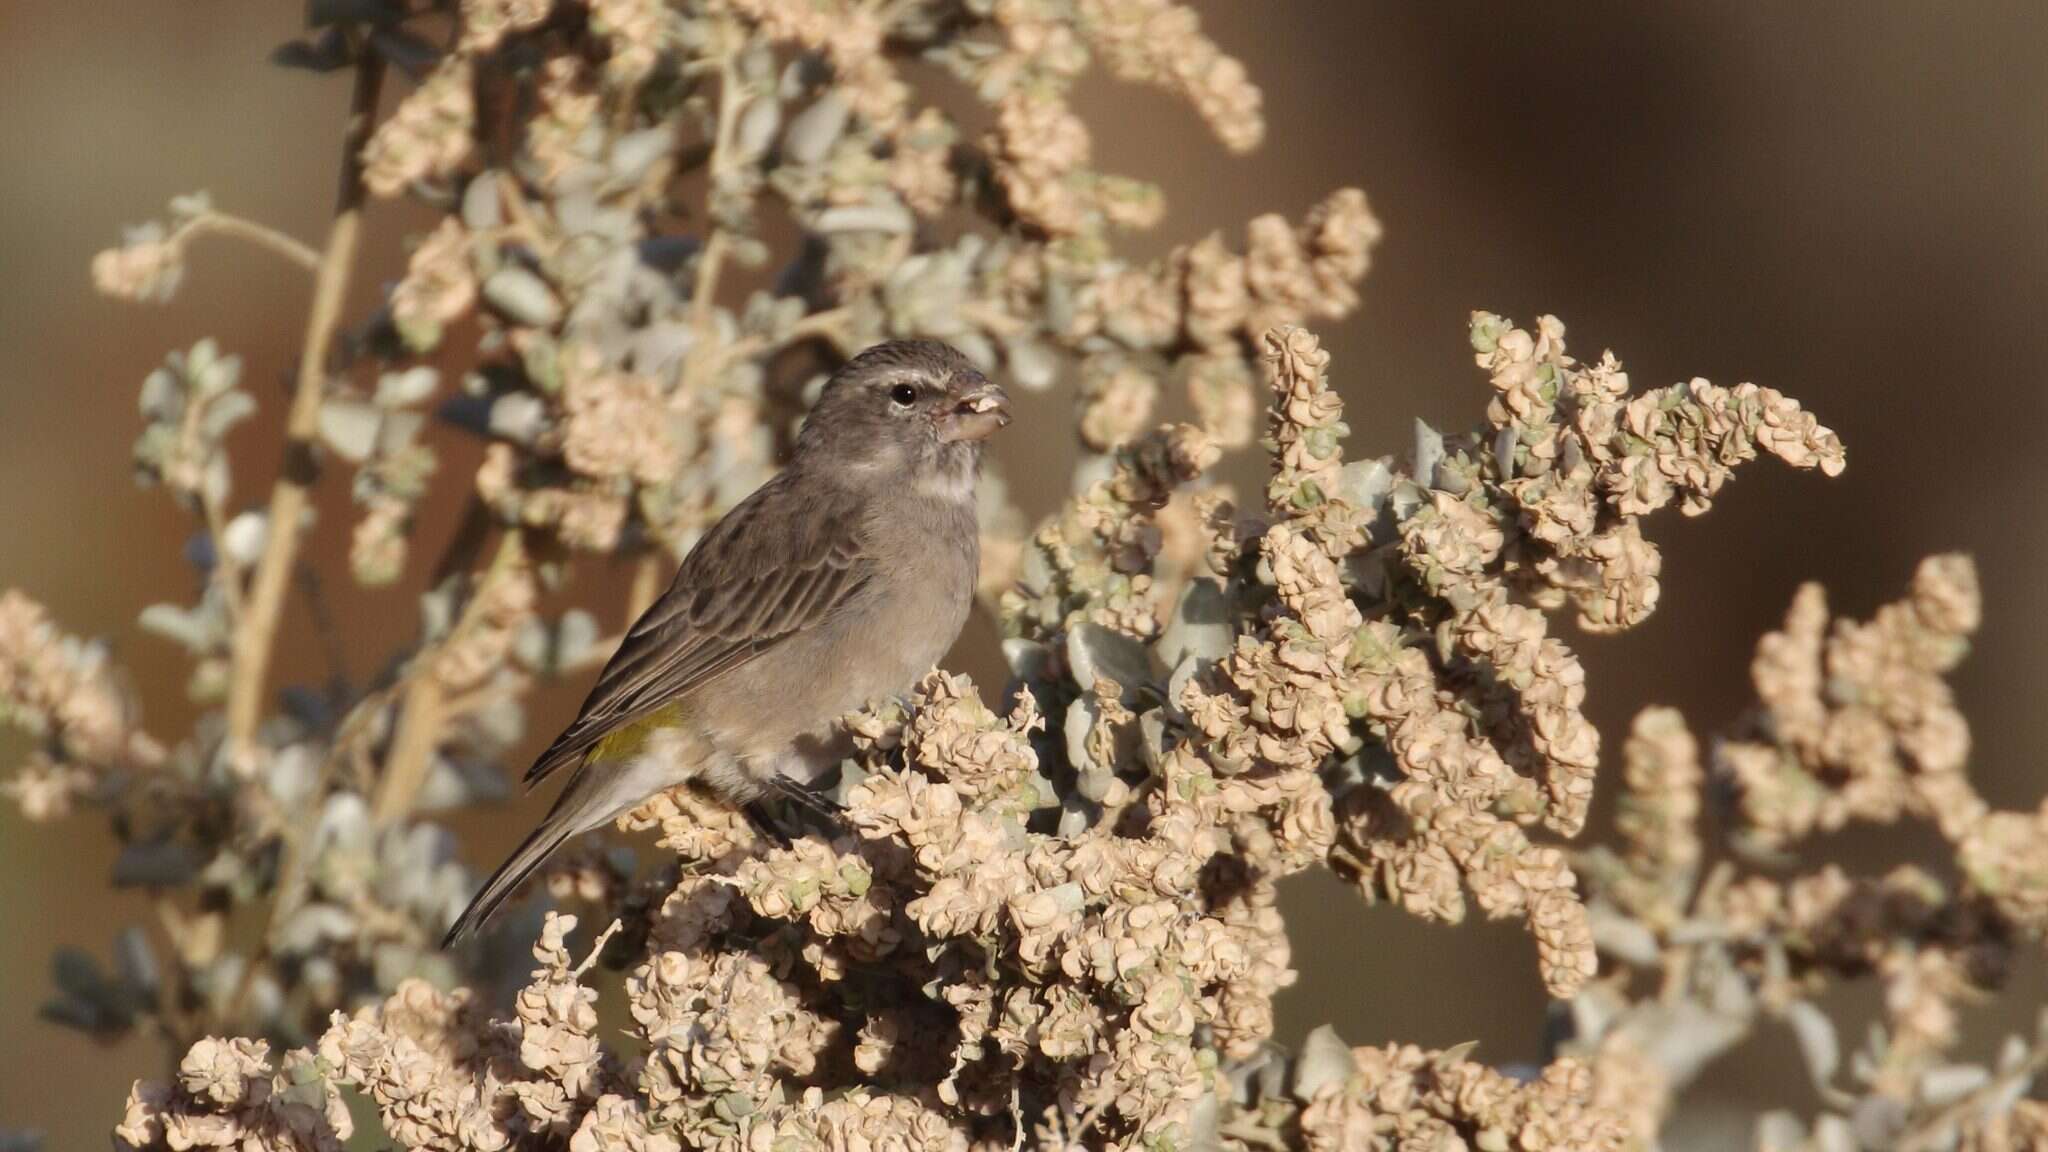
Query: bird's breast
[[914, 600]]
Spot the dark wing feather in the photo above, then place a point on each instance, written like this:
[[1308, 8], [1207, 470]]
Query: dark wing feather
[[786, 558]]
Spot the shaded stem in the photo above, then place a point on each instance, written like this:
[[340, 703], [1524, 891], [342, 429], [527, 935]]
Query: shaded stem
[[350, 744], [172, 1020], [711, 261], [647, 583], [256, 631]]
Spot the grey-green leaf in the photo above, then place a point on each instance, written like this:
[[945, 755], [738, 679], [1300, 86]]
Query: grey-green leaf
[[522, 296], [813, 131], [403, 389], [1364, 483], [1818, 1043], [227, 410], [349, 427], [1200, 626], [1325, 1061], [1094, 651], [886, 216], [183, 626], [1429, 451]]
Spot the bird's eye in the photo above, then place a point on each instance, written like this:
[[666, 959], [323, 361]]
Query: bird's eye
[[904, 395]]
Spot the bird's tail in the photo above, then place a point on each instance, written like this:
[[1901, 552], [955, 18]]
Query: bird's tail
[[525, 861]]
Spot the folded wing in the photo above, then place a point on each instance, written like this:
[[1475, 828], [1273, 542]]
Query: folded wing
[[779, 563]]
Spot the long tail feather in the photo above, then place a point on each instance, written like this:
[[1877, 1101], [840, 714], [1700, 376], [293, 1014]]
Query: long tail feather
[[526, 860]]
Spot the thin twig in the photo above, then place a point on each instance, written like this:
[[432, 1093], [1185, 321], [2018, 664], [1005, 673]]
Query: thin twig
[[709, 263], [1678, 962], [256, 631], [1251, 1134], [520, 224], [315, 595], [829, 325], [597, 948], [227, 573], [261, 235]]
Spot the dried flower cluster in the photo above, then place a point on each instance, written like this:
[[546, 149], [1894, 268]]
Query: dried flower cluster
[[1853, 725], [1051, 920]]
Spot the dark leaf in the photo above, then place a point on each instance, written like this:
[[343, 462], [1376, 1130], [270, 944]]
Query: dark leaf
[[307, 705], [155, 864], [76, 974], [199, 552], [328, 53], [79, 1016], [86, 1000], [407, 52], [136, 961], [467, 412], [326, 13], [668, 253]]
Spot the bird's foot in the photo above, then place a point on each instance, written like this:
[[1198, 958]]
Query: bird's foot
[[809, 799], [768, 824]]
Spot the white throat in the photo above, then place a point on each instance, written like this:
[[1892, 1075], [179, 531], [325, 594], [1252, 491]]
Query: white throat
[[953, 478]]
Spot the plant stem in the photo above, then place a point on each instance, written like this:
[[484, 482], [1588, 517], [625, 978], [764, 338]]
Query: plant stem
[[426, 705], [412, 745], [256, 631], [711, 261], [705, 293], [647, 583], [1940, 1129], [171, 1017]]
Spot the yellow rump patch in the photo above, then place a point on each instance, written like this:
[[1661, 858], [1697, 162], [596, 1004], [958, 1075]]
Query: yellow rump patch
[[631, 739]]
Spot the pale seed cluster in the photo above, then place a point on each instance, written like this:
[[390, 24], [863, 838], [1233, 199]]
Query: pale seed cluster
[[63, 693]]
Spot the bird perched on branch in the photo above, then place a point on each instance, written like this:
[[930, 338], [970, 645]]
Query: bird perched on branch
[[838, 582]]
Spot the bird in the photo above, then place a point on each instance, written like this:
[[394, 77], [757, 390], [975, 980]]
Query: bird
[[834, 584]]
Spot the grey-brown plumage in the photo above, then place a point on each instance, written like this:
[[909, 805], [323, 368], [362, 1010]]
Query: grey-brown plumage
[[836, 583]]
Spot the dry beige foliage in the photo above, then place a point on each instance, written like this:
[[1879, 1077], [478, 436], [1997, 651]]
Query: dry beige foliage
[[1050, 915]]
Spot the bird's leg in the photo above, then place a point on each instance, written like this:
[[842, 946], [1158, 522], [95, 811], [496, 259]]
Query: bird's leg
[[765, 823], [809, 800]]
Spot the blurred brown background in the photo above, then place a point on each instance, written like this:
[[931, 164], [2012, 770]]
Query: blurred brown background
[[1843, 200]]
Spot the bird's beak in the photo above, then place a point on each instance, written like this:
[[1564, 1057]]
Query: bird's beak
[[977, 412]]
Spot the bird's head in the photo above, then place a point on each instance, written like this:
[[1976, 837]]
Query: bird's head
[[917, 410]]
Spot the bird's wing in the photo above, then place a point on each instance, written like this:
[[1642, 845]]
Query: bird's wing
[[786, 558]]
